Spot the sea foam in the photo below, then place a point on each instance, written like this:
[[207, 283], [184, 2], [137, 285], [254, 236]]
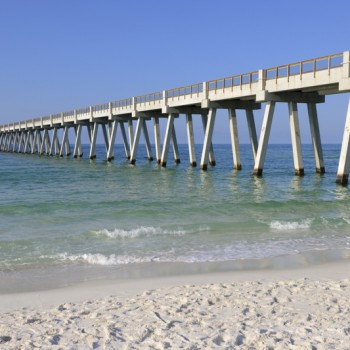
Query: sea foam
[[143, 231], [290, 225], [100, 259]]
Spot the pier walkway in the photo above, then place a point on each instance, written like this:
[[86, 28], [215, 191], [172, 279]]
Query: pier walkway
[[301, 82]]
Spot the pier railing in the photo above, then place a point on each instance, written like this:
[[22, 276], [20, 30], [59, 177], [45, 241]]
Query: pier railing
[[308, 66], [233, 81], [197, 91]]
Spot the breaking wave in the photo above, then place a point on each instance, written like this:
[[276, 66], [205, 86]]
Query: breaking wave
[[143, 231], [290, 225]]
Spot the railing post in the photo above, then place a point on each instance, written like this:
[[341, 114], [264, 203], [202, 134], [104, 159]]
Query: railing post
[[346, 64], [165, 98], [91, 114], [262, 79]]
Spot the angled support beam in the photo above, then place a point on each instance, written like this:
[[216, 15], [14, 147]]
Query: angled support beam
[[94, 132], [211, 149], [125, 140], [296, 140], [20, 142], [264, 138], [252, 132], [78, 150], [190, 140], [112, 133], [167, 138], [54, 144], [65, 142], [237, 164], [157, 139], [344, 160], [136, 140], [38, 141], [42, 143], [316, 138], [131, 132], [15, 140], [148, 144], [207, 144], [47, 141], [89, 130], [33, 141], [1, 139], [175, 146], [26, 142], [105, 136]]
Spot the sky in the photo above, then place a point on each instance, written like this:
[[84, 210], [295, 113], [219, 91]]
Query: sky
[[59, 55]]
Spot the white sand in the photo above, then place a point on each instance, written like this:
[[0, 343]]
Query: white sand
[[289, 309]]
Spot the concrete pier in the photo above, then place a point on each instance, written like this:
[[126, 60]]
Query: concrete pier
[[299, 82]]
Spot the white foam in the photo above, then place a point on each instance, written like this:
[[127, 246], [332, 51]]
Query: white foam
[[144, 231], [100, 259], [290, 225]]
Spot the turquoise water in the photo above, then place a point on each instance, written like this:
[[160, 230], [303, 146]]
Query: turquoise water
[[63, 217]]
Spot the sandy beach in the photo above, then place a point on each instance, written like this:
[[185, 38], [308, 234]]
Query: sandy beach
[[306, 308]]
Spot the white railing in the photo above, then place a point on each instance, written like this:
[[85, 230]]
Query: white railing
[[308, 66], [196, 90]]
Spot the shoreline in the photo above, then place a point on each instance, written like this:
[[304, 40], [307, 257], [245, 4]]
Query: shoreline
[[124, 288]]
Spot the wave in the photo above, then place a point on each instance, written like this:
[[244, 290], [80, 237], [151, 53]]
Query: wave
[[100, 259], [143, 231], [291, 225]]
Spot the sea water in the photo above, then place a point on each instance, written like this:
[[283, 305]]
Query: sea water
[[65, 220]]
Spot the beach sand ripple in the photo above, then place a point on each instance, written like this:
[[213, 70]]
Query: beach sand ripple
[[297, 314]]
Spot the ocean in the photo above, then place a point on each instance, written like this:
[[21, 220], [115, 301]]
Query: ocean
[[65, 220]]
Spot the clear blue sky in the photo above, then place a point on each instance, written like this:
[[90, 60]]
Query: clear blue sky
[[60, 55]]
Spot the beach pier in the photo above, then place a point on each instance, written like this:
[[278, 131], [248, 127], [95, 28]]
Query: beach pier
[[307, 82]]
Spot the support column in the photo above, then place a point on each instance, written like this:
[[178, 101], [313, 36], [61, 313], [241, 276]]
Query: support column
[[211, 149], [252, 132], [15, 140], [175, 146], [190, 140], [207, 144], [344, 160], [20, 142], [264, 138], [78, 151], [65, 142], [125, 140], [8, 146], [38, 141], [33, 141], [136, 140], [26, 142], [237, 164], [1, 140], [131, 133], [148, 144], [296, 140], [46, 141], [54, 142], [41, 147], [112, 132], [316, 138], [92, 154], [167, 138], [157, 138], [105, 136]]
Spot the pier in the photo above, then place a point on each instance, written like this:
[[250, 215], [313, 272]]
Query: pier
[[302, 82]]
